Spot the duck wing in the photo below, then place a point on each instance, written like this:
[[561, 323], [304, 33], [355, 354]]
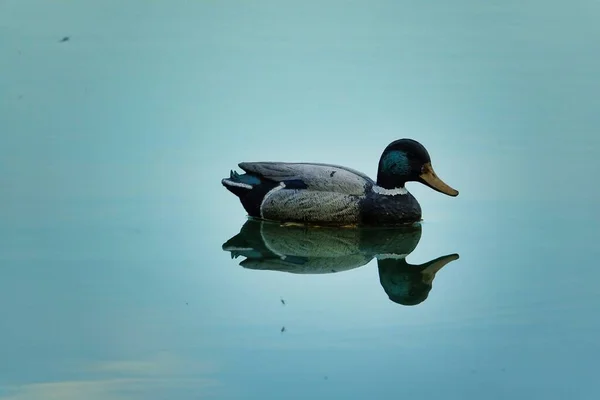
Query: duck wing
[[314, 176]]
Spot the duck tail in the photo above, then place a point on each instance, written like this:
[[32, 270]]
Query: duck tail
[[240, 185]]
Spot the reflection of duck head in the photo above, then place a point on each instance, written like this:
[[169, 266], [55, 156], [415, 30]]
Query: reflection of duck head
[[321, 250], [409, 284]]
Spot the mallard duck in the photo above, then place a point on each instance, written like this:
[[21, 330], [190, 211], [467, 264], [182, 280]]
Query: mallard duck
[[316, 193]]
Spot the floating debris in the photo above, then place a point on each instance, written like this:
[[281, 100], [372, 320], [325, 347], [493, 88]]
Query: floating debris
[[282, 301], [282, 329], [65, 39]]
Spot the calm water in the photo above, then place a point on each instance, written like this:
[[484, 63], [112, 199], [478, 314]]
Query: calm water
[[116, 238]]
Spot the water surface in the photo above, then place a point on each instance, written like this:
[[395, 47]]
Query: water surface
[[116, 276]]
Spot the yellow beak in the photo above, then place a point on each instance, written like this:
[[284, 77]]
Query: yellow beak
[[430, 178]]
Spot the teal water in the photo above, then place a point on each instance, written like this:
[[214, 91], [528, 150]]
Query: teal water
[[116, 279]]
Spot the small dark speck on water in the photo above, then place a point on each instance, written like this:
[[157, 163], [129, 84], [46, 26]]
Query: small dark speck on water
[[282, 329], [186, 303], [283, 302], [65, 39]]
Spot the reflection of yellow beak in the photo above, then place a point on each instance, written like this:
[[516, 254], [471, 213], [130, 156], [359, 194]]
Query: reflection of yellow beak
[[431, 179], [430, 271]]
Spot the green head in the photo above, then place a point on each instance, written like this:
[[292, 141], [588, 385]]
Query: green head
[[407, 160]]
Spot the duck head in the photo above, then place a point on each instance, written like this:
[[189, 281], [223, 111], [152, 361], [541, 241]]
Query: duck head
[[407, 160]]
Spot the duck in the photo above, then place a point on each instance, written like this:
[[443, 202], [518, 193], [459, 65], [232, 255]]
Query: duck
[[329, 194]]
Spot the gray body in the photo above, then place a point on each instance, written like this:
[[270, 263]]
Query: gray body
[[332, 194]]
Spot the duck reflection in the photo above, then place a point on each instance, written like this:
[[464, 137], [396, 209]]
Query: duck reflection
[[324, 250]]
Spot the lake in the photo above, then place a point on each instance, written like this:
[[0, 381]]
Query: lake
[[129, 272]]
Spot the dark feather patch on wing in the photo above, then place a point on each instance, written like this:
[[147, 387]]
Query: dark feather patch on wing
[[295, 184]]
